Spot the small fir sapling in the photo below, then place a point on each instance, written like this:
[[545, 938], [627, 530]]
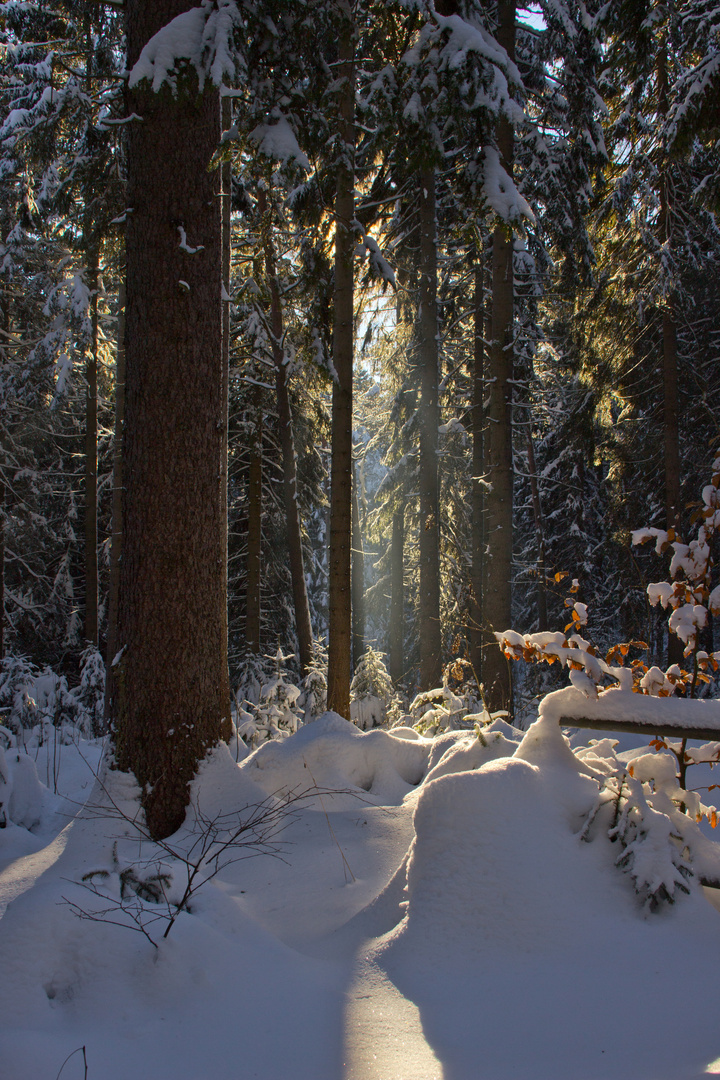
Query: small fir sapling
[[397, 710], [17, 680], [371, 691], [314, 687], [277, 713], [254, 673], [90, 694]]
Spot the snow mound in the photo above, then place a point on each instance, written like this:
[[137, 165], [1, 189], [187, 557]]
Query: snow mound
[[21, 793], [333, 755], [493, 862], [505, 902]]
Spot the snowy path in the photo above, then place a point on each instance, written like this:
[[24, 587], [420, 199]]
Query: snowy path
[[23, 871], [384, 1038]]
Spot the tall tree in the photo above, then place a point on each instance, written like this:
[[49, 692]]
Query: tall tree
[[301, 606], [429, 541], [340, 602], [170, 707], [497, 593]]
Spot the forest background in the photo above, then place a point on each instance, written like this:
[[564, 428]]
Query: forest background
[[486, 233]]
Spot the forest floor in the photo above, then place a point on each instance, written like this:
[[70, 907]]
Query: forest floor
[[432, 913]]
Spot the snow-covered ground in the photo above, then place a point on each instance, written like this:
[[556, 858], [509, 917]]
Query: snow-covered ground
[[433, 913]]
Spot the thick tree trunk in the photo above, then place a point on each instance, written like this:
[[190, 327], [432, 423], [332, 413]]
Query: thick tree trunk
[[116, 526], [339, 600], [478, 465], [397, 597], [303, 625], [254, 533], [226, 181], [358, 579], [429, 541], [91, 368], [171, 679], [498, 455]]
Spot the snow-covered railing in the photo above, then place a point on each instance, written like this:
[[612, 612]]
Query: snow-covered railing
[[622, 710]]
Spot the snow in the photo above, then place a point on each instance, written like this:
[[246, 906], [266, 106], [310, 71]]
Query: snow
[[202, 36], [500, 192], [433, 910], [276, 140], [624, 706]]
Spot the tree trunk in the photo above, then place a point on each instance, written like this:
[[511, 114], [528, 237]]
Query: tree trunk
[[117, 489], [358, 580], [91, 367], [254, 533], [2, 571], [303, 625], [171, 679], [478, 465], [429, 541], [498, 455], [669, 332], [671, 441], [397, 597], [541, 591], [339, 600], [226, 182]]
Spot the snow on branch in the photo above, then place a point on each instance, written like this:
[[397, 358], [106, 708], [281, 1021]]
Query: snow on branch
[[500, 192], [203, 37], [276, 140]]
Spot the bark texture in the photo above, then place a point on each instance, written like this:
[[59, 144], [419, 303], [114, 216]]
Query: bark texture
[[91, 433], [478, 494], [498, 442], [358, 579], [397, 597], [226, 182], [254, 534], [339, 600], [171, 678], [671, 436], [301, 604], [116, 527], [429, 540], [541, 572]]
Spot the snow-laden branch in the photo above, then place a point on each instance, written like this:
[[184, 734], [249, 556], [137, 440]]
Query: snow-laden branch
[[203, 37]]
